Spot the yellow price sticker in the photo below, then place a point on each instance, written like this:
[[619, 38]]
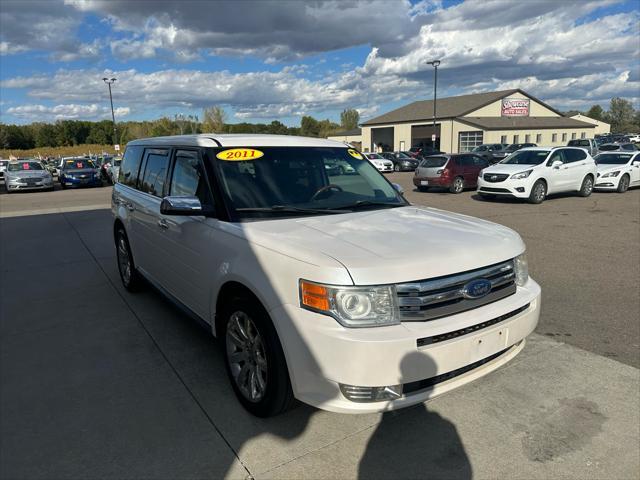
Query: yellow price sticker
[[355, 154], [239, 154]]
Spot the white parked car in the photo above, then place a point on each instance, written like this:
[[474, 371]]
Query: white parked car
[[113, 170], [381, 163], [634, 137], [618, 171], [311, 281], [533, 173]]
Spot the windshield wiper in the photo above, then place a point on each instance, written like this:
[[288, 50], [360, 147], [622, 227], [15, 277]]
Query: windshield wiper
[[368, 203], [288, 209]]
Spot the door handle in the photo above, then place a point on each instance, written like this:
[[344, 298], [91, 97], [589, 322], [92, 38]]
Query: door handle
[[162, 223]]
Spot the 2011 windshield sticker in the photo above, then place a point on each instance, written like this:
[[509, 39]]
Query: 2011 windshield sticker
[[239, 154], [354, 154]]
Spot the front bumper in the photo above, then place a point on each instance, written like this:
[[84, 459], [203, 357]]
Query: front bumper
[[385, 168], [15, 187], [508, 188], [81, 182], [322, 355], [607, 183]]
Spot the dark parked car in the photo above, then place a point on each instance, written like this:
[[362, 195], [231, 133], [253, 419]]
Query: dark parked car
[[422, 152], [488, 151], [455, 172], [402, 162], [79, 172], [614, 147]]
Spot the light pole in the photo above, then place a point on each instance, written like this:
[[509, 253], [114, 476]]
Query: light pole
[[109, 81], [435, 64]]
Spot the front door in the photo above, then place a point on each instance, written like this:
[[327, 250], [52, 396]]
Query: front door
[[558, 177]]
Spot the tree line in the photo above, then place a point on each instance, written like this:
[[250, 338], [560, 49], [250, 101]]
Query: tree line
[[65, 133], [621, 115]]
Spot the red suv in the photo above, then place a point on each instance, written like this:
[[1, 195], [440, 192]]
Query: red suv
[[455, 172]]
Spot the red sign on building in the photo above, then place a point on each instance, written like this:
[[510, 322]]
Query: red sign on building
[[515, 107]]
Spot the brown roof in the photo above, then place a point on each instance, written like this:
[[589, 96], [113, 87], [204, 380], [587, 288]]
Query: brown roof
[[512, 123], [450, 107]]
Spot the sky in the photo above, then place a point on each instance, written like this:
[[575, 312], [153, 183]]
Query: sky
[[268, 60]]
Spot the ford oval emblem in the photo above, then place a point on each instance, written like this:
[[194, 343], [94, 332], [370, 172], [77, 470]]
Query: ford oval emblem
[[476, 288]]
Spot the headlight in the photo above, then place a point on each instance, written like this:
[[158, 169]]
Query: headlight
[[521, 267], [520, 175], [372, 306], [611, 174]]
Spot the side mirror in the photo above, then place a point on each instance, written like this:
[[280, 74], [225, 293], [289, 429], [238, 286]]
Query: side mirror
[[181, 206], [398, 188], [556, 163]]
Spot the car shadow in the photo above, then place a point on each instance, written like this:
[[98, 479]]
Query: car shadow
[[415, 442]]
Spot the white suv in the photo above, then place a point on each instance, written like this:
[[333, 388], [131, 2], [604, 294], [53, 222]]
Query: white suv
[[310, 279], [533, 173]]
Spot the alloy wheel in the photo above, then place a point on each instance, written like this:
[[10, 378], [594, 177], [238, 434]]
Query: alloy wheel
[[124, 260], [246, 356], [539, 192], [458, 185]]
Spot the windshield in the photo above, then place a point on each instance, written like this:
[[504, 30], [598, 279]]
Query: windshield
[[403, 155], [19, 166], [303, 181], [613, 158], [77, 163], [373, 156], [526, 157], [434, 162], [579, 143], [606, 148]]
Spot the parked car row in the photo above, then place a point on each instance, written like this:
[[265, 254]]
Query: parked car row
[[34, 174]]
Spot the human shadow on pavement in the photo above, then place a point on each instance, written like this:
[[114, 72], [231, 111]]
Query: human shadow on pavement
[[415, 442]]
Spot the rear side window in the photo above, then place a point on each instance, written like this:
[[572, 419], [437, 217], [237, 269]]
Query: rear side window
[[130, 166], [479, 161], [155, 172], [574, 155]]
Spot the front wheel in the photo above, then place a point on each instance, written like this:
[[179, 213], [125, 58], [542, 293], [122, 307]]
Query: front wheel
[[255, 361], [587, 186], [623, 186], [457, 186], [538, 192], [396, 167]]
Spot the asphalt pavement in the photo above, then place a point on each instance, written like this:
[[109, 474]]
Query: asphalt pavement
[[98, 382]]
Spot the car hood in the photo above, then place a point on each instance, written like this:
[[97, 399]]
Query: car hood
[[609, 167], [28, 173], [507, 168], [390, 245]]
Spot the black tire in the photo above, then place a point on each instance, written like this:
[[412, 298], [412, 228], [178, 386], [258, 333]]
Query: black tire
[[623, 184], [457, 186], [131, 279], [64, 187], [538, 192], [487, 196], [586, 188], [396, 167], [277, 396], [423, 189]]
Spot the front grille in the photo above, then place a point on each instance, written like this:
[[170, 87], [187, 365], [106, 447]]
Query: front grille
[[414, 387], [32, 180], [495, 177], [442, 296], [492, 189], [422, 342]]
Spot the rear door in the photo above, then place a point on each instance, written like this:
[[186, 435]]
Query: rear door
[[477, 164], [578, 165], [145, 216]]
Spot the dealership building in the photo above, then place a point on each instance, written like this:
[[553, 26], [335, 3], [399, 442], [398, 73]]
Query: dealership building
[[466, 121]]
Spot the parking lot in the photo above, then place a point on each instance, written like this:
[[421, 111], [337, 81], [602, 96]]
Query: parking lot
[[97, 382]]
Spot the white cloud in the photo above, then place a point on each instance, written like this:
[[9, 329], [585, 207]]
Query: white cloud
[[65, 112]]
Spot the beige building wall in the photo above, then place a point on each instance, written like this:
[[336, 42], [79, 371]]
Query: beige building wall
[[346, 138], [495, 109], [601, 127], [562, 136]]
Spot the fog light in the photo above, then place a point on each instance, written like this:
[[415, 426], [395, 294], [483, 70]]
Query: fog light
[[371, 394], [520, 189]]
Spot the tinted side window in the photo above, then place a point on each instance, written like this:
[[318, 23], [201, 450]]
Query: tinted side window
[[155, 172], [574, 155], [480, 162], [188, 178], [130, 166]]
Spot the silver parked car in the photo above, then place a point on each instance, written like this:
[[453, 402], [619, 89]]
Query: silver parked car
[[114, 170], [27, 175]]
